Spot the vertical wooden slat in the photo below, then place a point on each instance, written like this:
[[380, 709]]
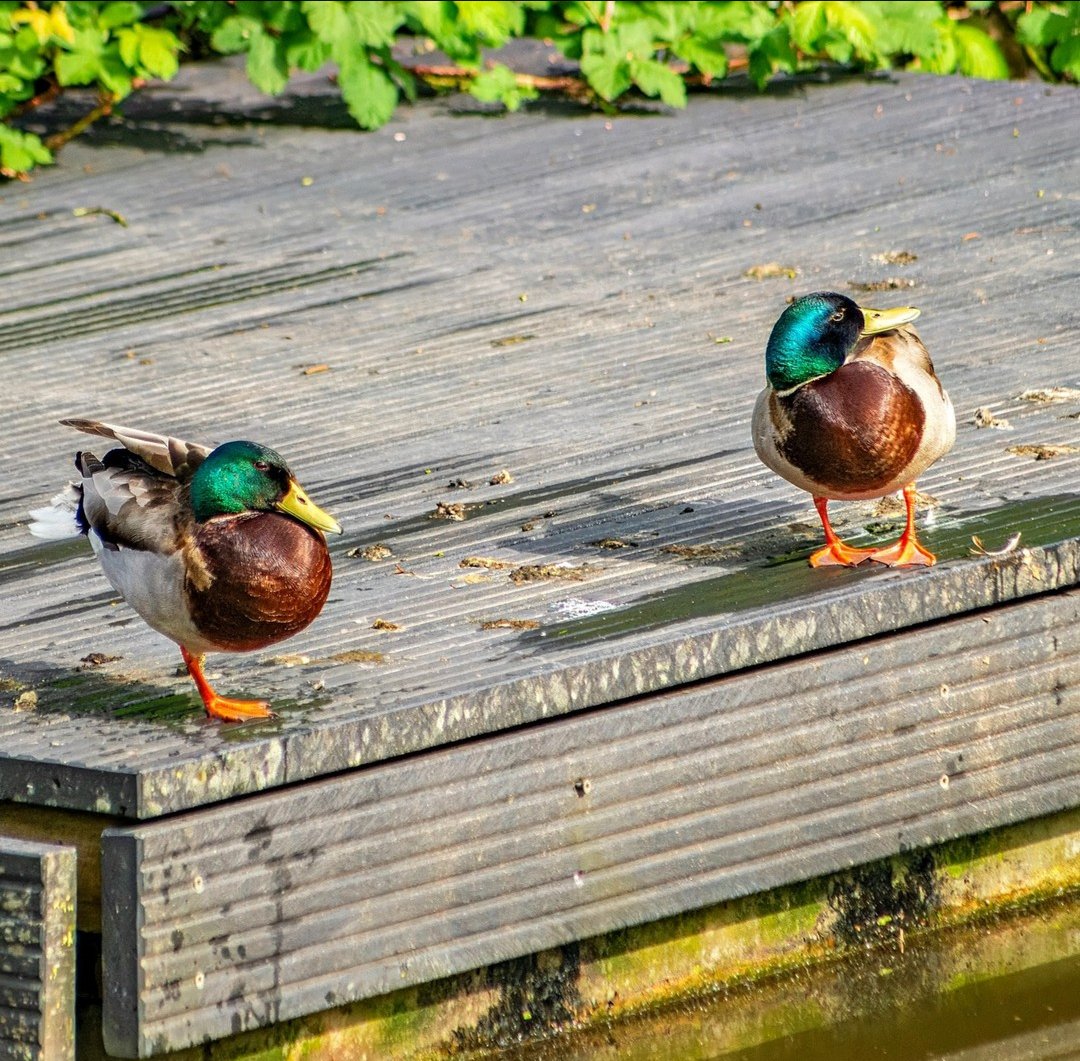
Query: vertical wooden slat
[[37, 951]]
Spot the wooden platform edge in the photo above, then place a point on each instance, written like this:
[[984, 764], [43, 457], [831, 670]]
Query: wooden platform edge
[[285, 904], [37, 951]]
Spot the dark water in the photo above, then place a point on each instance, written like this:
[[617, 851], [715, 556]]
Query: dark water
[[1008, 991]]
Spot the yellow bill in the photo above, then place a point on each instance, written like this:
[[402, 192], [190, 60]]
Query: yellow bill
[[884, 320], [297, 503]]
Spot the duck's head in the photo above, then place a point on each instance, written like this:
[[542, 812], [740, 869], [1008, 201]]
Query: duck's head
[[817, 333], [246, 477]]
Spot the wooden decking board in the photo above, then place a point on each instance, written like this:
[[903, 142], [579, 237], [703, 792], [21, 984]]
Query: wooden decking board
[[37, 951], [407, 871], [537, 294]]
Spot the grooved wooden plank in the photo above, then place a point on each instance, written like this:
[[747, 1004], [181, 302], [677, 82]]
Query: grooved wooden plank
[[37, 951], [538, 295], [235, 917]]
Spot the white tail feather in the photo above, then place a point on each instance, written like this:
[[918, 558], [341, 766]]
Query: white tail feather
[[59, 519]]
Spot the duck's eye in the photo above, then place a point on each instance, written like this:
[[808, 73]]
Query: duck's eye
[[262, 466], [837, 316]]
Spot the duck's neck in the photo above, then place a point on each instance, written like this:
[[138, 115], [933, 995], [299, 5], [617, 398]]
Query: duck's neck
[[791, 360]]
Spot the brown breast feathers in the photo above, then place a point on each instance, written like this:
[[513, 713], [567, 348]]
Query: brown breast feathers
[[853, 430], [269, 577]]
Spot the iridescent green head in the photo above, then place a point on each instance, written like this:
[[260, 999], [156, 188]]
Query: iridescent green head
[[242, 477], [817, 332]]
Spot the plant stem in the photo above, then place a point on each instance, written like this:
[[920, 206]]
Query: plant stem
[[102, 110]]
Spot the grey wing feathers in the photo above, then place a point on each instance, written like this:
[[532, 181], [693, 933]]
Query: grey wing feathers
[[173, 456], [125, 503]]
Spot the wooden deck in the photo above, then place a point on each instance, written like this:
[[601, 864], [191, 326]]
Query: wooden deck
[[678, 710]]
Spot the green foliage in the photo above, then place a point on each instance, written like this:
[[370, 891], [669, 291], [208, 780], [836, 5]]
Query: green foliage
[[654, 48]]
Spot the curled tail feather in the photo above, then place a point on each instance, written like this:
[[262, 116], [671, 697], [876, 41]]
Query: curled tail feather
[[61, 518]]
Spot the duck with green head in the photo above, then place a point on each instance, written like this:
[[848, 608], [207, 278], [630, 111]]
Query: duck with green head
[[852, 410], [220, 550]]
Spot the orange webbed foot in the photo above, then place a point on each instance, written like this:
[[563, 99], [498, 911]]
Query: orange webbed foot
[[230, 710], [837, 554], [907, 552], [222, 707]]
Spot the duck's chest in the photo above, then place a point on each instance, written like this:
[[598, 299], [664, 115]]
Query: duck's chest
[[852, 431], [256, 579]]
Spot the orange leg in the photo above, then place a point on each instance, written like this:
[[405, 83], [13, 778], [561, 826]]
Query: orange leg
[[907, 551], [222, 707], [835, 551]]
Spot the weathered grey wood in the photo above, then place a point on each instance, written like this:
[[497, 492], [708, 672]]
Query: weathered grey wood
[[528, 293], [37, 951], [239, 916]]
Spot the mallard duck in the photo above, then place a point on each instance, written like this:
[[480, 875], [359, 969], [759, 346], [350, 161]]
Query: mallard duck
[[219, 550], [852, 410]]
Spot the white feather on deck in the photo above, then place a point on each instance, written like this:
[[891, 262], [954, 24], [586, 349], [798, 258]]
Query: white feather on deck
[[58, 519]]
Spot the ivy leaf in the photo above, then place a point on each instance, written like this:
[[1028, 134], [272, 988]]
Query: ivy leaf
[[906, 26], [368, 91], [1040, 26], [266, 65], [437, 18], [707, 56], [372, 24], [738, 20], [21, 151], [852, 24], [658, 79], [235, 34], [977, 55], [82, 64], [154, 50], [499, 84], [116, 75], [773, 52], [493, 20], [306, 51], [328, 18], [607, 74], [1066, 57], [808, 24], [113, 16]]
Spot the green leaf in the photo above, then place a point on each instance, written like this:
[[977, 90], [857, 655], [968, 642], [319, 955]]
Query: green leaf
[[608, 75], [1040, 26], [976, 53], [154, 50], [707, 56], [738, 20], [493, 20], [306, 51], [20, 152], [438, 19], [115, 15], [328, 18], [906, 26], [667, 21], [81, 65], [772, 53], [1066, 57], [808, 24], [266, 64], [852, 24], [499, 85], [373, 24], [658, 79], [368, 91], [235, 34], [115, 75]]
